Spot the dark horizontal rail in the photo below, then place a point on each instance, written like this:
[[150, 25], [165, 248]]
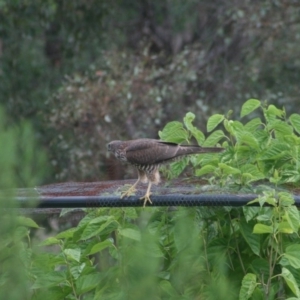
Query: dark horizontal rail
[[133, 201]]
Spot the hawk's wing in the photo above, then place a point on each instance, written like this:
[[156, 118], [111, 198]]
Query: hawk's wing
[[148, 151]]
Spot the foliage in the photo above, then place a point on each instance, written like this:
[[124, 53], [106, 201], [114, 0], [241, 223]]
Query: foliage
[[175, 57], [258, 151], [187, 253], [21, 163]]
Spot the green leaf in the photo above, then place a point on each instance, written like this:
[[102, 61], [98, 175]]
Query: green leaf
[[174, 132], [285, 227], [87, 283], [249, 106], [247, 138], [94, 228], [290, 281], [49, 279], [253, 124], [260, 266], [167, 287], [250, 212], [214, 138], [252, 240], [73, 254], [100, 246], [273, 110], [295, 121], [65, 211], [178, 166], [292, 217], [130, 233], [248, 286], [261, 228], [214, 121], [27, 222], [229, 170], [196, 133], [274, 151], [292, 255], [205, 170], [50, 241], [286, 199], [66, 234], [281, 128], [253, 170]]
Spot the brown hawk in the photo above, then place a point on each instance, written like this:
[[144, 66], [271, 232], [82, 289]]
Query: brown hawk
[[147, 155]]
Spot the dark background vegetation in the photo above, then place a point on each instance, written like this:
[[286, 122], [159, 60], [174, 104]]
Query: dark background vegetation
[[87, 72]]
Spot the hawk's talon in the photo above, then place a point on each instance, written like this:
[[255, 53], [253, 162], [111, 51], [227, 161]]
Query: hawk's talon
[[146, 199], [129, 192]]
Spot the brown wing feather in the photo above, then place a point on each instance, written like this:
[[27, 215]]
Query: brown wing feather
[[150, 151]]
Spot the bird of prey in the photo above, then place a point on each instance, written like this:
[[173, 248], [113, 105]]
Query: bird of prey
[[147, 155]]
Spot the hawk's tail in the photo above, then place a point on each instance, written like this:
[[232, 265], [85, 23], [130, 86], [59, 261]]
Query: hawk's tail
[[186, 150]]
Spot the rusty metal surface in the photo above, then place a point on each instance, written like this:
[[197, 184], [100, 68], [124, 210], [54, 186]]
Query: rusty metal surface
[[113, 187], [179, 192]]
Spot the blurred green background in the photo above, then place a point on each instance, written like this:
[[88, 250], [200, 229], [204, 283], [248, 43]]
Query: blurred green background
[[87, 72]]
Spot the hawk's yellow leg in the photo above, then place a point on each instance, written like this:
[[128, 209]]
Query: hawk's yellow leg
[[146, 197], [130, 191]]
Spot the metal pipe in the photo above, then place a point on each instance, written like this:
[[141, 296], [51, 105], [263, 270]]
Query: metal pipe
[[134, 201]]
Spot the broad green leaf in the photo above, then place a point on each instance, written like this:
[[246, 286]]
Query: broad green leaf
[[26, 222], [261, 228], [247, 138], [77, 270], [66, 234], [65, 211], [252, 125], [281, 128], [87, 283], [249, 106], [260, 266], [174, 132], [248, 286], [49, 279], [250, 212], [214, 138], [95, 228], [50, 241], [264, 218], [290, 281], [292, 255], [20, 233], [286, 199], [295, 121], [130, 233], [274, 151], [130, 212], [229, 170], [252, 240], [205, 170], [196, 133], [100, 246], [178, 166], [73, 254], [253, 170], [292, 217], [273, 110], [214, 121], [101, 219], [167, 287], [285, 227]]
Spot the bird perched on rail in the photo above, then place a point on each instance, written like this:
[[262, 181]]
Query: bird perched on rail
[[147, 155]]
